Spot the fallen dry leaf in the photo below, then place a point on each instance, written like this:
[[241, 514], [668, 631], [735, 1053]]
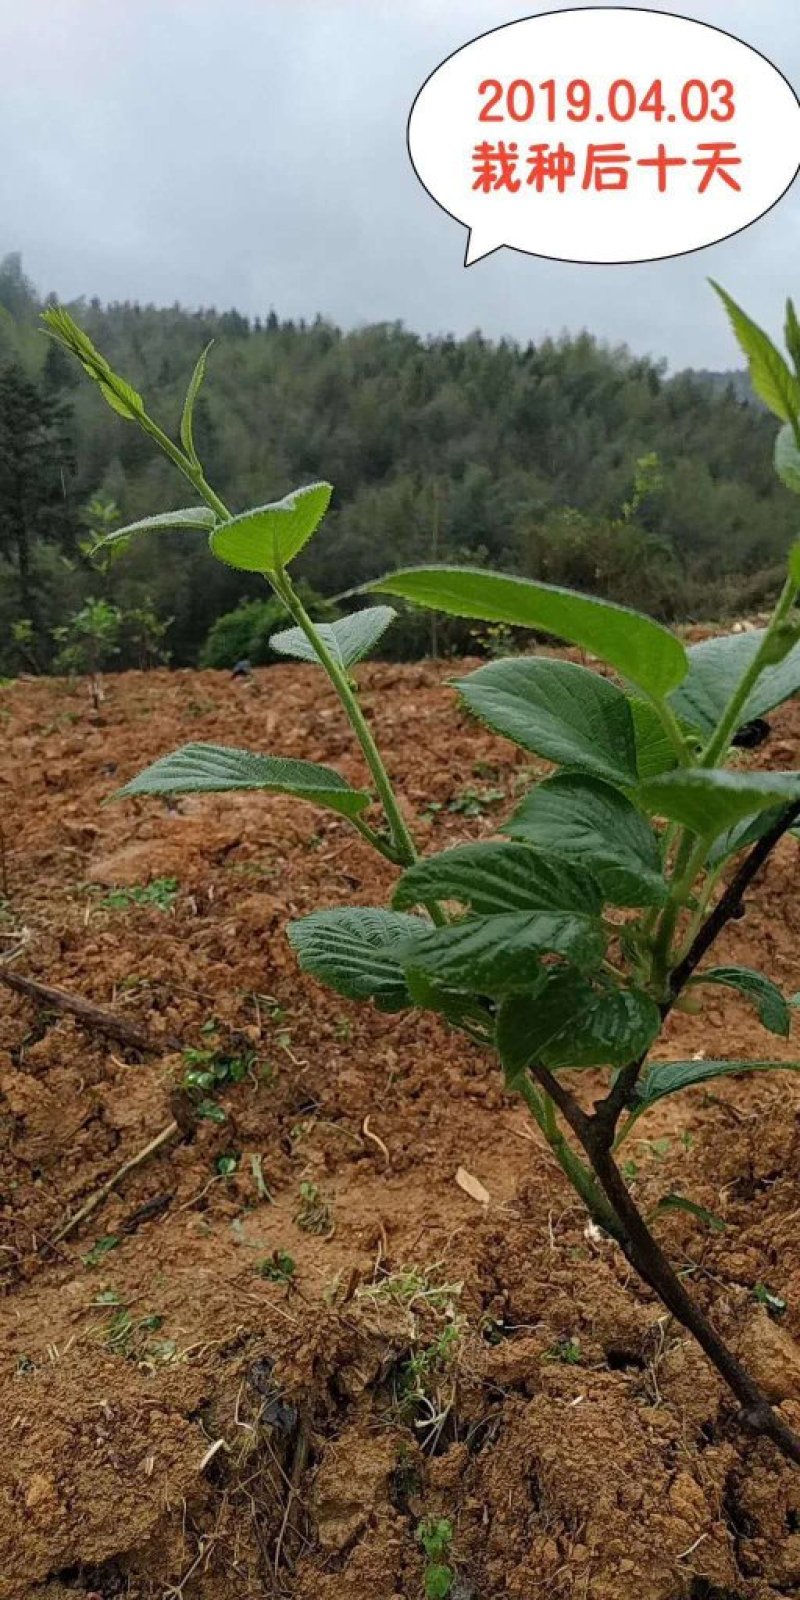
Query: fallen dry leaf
[[472, 1186]]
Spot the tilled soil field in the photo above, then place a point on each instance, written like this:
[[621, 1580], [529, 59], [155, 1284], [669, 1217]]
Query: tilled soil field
[[366, 1297]]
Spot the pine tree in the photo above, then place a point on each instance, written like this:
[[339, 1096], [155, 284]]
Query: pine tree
[[35, 464]]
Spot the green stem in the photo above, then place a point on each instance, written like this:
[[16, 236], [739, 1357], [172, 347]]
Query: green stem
[[378, 841], [691, 851], [731, 716], [402, 850], [702, 906], [674, 732], [401, 838], [188, 467], [691, 854], [544, 1113]]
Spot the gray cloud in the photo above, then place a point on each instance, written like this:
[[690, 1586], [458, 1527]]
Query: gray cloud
[[252, 153]]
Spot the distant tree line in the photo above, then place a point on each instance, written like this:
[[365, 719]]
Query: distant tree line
[[562, 459]]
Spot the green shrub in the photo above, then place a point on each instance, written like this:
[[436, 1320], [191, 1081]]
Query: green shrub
[[245, 633]]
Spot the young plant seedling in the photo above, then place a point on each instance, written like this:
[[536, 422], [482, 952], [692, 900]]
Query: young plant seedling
[[578, 934], [89, 642], [161, 893], [435, 1535], [278, 1268], [314, 1213]]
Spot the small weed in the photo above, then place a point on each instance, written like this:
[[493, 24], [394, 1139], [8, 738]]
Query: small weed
[[425, 1385], [414, 1286], [100, 1248], [208, 1111], [278, 1268], [314, 1213], [496, 640], [435, 1535], [129, 1336], [232, 1068], [774, 1303], [567, 1351], [209, 1071], [476, 802], [470, 803], [161, 893], [226, 1165]]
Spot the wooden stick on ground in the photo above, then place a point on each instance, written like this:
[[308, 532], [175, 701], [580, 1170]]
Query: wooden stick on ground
[[105, 1189], [113, 1027], [102, 1021]]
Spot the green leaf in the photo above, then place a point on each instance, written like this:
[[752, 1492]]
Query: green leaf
[[770, 376], [268, 537], [787, 458], [792, 334], [679, 1202], [774, 1303], [209, 1111], [670, 1077], [189, 517], [637, 647], [654, 749], [355, 950], [710, 800], [560, 711], [439, 1580], [187, 418], [496, 878], [100, 1248], [121, 398], [770, 1004], [569, 1022], [581, 819], [453, 1004], [499, 954], [741, 836], [216, 769], [717, 665], [119, 394], [347, 640]]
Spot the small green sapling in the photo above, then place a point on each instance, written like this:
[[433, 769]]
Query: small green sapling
[[565, 944]]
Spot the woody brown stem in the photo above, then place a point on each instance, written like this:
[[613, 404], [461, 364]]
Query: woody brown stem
[[608, 1111], [645, 1255]]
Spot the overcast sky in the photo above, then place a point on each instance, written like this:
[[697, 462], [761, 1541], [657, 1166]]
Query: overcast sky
[[253, 153]]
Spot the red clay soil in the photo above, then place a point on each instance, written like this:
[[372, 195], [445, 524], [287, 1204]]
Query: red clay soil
[[185, 1418]]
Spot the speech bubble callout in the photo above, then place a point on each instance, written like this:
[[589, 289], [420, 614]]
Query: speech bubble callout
[[605, 134]]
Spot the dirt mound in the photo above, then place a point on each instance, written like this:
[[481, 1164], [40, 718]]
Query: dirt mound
[[287, 1338]]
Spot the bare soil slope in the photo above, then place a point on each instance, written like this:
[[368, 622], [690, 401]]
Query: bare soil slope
[[185, 1416]]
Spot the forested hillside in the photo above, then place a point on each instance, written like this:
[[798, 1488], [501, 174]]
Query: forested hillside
[[561, 459]]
